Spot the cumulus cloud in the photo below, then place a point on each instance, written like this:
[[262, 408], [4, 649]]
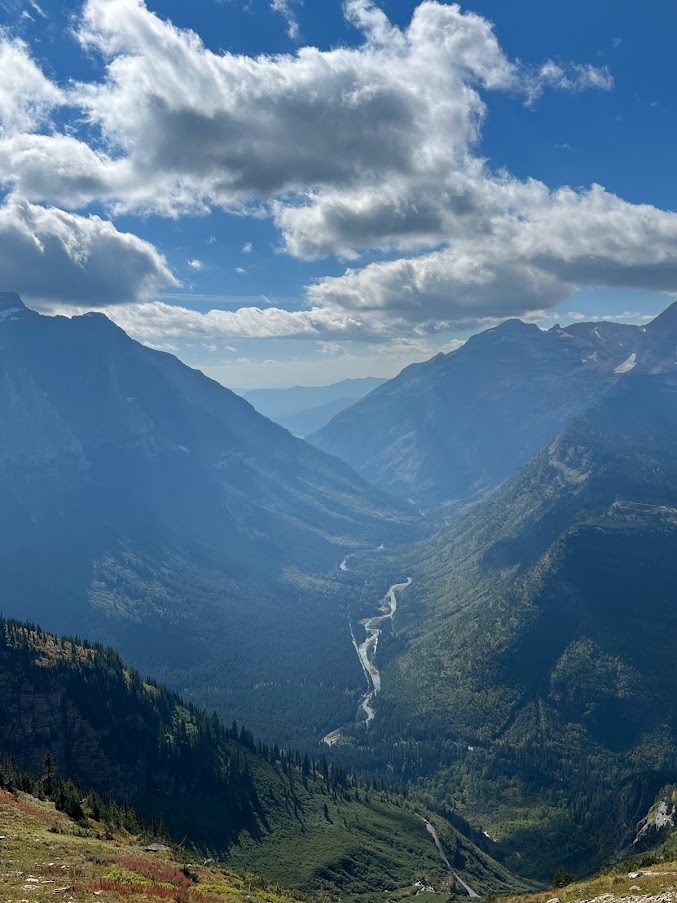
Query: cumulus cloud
[[185, 129], [403, 346], [368, 148], [196, 264], [27, 96], [452, 346], [574, 78], [530, 257], [50, 255], [333, 349], [158, 320]]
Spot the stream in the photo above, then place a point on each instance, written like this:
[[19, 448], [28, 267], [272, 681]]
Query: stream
[[440, 850]]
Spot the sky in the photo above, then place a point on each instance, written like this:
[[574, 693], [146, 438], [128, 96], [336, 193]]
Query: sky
[[300, 191]]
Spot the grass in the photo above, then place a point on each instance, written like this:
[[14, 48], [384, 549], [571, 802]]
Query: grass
[[650, 881], [644, 875], [46, 856], [370, 847]]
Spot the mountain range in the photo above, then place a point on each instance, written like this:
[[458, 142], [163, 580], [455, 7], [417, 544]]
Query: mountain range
[[540, 633], [464, 421], [305, 409], [526, 675]]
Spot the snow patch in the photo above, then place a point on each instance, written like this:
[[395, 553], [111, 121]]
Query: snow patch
[[628, 364], [12, 313]]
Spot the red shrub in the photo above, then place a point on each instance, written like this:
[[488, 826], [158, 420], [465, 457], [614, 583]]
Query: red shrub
[[155, 891], [156, 870], [113, 887]]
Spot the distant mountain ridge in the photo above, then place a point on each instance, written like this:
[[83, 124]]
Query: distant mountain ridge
[[304, 409], [464, 421]]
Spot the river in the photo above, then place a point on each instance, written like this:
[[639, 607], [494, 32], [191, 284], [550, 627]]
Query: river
[[366, 652]]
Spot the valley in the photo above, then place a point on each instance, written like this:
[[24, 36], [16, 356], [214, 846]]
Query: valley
[[514, 689], [295, 821], [338, 451]]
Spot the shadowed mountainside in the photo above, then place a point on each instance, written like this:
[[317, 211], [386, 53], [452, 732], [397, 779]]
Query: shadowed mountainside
[[145, 505]]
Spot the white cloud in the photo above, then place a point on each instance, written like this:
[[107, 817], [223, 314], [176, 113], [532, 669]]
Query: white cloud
[[574, 78], [528, 258], [186, 129], [164, 346], [349, 150], [158, 320], [196, 264], [38, 9], [27, 97], [333, 349], [284, 8], [405, 347], [49, 255], [451, 346]]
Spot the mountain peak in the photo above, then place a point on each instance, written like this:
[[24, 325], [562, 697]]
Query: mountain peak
[[665, 320], [10, 302], [513, 330]]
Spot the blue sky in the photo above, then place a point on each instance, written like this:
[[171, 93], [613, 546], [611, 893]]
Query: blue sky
[[278, 214]]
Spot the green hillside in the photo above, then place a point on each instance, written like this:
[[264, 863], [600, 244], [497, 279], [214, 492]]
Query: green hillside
[[294, 820], [532, 663], [52, 853]]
